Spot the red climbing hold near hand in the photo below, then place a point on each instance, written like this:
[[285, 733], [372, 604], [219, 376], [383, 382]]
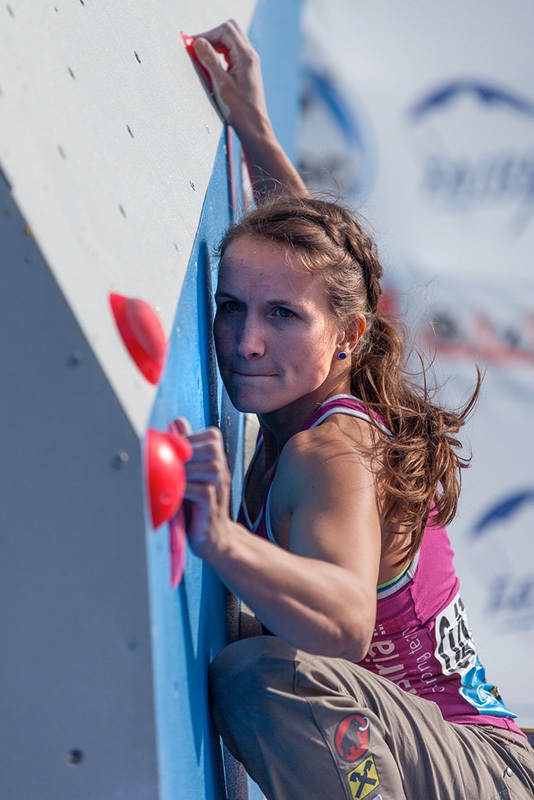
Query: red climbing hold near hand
[[165, 457], [142, 333]]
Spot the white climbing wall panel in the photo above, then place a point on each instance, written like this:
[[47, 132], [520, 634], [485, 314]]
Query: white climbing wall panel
[[101, 117], [113, 179]]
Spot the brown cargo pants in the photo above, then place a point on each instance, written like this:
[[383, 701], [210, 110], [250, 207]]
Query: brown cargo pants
[[312, 728]]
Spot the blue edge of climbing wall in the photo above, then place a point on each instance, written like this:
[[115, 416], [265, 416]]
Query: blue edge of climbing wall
[[189, 624]]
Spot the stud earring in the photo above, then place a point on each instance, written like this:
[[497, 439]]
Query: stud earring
[[342, 355]]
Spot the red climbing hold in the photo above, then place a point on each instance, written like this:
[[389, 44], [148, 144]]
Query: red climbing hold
[[142, 333], [189, 42], [165, 457]]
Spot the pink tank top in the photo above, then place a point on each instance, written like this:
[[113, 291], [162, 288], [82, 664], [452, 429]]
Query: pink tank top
[[421, 640]]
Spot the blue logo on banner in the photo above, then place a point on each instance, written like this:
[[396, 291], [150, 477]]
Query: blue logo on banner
[[485, 94], [476, 142], [502, 511], [339, 147], [511, 596]]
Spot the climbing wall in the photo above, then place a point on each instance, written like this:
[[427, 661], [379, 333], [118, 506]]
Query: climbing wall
[[114, 178]]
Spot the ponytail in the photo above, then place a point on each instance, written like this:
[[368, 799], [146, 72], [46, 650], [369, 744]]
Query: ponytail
[[421, 459]]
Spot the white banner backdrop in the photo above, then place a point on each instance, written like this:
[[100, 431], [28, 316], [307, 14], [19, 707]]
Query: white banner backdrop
[[422, 116]]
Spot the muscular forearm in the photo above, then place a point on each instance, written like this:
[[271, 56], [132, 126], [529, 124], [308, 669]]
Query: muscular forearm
[[269, 168], [311, 604], [239, 94], [323, 605]]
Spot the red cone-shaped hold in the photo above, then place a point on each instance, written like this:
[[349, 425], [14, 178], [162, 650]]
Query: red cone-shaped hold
[[142, 333], [189, 42], [165, 456]]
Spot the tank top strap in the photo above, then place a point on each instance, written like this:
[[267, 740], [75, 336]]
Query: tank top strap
[[345, 404]]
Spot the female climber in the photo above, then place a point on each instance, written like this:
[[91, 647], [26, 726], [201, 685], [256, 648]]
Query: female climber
[[365, 682]]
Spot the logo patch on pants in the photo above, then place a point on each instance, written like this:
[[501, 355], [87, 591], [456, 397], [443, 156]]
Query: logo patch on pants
[[352, 737], [363, 779]]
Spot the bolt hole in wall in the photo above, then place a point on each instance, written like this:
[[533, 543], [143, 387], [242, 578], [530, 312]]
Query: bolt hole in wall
[[75, 757], [74, 360]]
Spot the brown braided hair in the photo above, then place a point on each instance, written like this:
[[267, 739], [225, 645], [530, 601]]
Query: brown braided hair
[[421, 462]]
